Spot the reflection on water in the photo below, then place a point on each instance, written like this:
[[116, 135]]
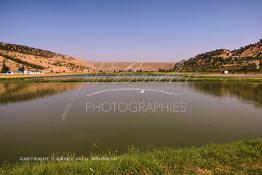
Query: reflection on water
[[35, 127], [250, 92], [18, 92]]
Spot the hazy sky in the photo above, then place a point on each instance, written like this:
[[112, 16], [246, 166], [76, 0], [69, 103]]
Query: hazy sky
[[131, 30]]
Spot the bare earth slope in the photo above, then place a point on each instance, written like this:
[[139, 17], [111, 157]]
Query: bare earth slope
[[17, 56]]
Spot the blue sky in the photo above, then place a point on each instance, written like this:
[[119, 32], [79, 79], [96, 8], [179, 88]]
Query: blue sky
[[131, 30]]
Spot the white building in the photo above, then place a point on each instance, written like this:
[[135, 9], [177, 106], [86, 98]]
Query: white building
[[9, 72], [32, 72], [225, 72]]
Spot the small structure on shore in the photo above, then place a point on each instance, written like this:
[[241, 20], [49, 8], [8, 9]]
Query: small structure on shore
[[9, 72], [257, 62], [32, 72], [225, 72]]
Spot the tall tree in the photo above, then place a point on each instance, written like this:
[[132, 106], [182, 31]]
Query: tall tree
[[22, 69], [5, 68]]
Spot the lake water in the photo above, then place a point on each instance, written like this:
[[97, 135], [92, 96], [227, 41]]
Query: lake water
[[41, 118]]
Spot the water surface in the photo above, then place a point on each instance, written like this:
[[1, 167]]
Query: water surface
[[41, 118]]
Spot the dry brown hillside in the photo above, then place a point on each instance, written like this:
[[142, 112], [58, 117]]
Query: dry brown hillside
[[248, 58], [17, 56]]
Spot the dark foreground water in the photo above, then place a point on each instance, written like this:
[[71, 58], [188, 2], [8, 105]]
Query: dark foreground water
[[41, 118]]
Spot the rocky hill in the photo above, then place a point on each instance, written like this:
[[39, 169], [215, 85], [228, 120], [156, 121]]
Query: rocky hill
[[248, 58], [17, 57]]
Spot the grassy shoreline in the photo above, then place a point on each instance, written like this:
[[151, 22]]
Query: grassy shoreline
[[132, 73], [125, 77], [240, 157], [122, 79]]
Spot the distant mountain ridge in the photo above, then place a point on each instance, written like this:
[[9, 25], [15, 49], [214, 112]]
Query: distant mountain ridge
[[246, 58], [16, 56]]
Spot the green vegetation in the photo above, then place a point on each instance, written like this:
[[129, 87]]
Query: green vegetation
[[241, 157], [130, 73], [122, 78]]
